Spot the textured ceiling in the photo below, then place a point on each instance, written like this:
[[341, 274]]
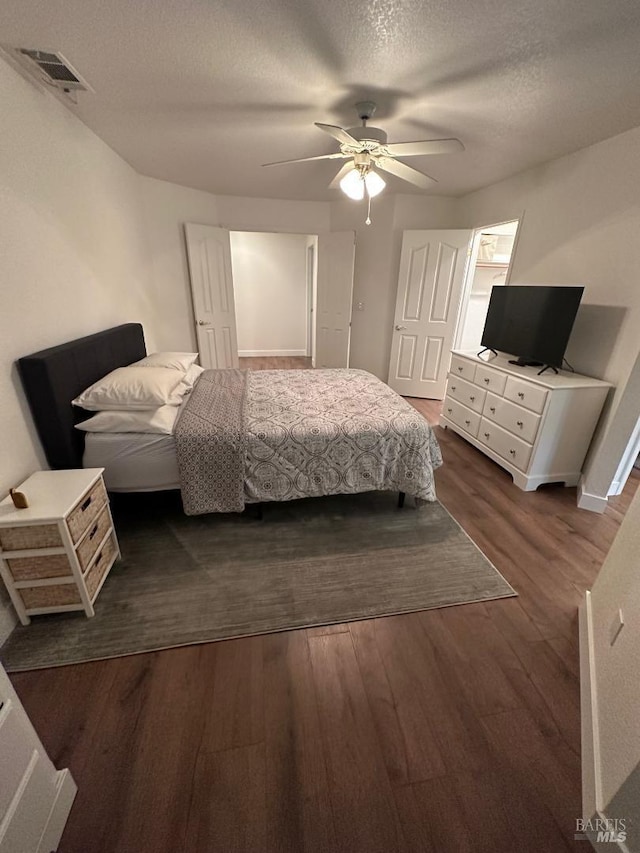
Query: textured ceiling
[[201, 93]]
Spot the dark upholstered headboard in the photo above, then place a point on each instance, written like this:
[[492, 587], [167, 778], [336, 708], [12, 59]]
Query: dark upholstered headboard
[[54, 377]]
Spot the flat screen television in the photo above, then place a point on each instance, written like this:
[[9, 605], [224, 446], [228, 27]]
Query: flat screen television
[[532, 322]]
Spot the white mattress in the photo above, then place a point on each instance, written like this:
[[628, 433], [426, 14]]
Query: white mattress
[[133, 461]]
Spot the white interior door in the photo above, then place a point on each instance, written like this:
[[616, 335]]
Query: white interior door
[[336, 258], [432, 267], [209, 254]]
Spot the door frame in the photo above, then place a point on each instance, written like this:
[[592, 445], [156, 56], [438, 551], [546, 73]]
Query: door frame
[[311, 281], [470, 270]]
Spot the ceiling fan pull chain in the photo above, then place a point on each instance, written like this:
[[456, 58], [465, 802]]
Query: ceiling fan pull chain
[[368, 219]]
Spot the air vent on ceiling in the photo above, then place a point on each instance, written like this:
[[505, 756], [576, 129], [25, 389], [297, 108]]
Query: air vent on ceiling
[[52, 68]]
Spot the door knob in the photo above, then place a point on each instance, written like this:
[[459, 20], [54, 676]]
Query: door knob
[[203, 323], [400, 328]]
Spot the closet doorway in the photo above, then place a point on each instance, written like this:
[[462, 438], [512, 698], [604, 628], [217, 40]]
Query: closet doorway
[[492, 251], [274, 283], [324, 282]]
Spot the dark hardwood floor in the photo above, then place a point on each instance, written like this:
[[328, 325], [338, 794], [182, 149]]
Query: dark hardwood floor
[[447, 730], [275, 362]]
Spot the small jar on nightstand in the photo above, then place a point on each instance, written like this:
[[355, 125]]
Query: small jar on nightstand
[[56, 553]]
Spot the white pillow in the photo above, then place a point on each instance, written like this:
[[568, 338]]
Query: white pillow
[[134, 388], [176, 360], [161, 420], [191, 376]]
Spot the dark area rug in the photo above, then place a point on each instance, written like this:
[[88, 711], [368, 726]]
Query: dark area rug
[[186, 580]]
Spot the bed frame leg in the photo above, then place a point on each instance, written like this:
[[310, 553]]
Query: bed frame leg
[[400, 500], [254, 511]]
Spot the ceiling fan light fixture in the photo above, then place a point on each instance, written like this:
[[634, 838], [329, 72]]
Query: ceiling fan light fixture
[[374, 183], [353, 185]]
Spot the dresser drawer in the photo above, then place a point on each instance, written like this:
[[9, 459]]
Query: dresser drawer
[[30, 537], [466, 393], [461, 416], [490, 379], [102, 564], [519, 421], [462, 367], [513, 449], [38, 568], [86, 510], [525, 394], [94, 536]]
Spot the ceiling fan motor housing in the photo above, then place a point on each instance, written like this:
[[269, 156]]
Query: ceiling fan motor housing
[[372, 134]]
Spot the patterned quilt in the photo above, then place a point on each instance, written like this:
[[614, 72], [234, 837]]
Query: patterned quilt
[[304, 433]]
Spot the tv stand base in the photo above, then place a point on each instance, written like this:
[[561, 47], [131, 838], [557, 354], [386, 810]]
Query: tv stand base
[[525, 362]]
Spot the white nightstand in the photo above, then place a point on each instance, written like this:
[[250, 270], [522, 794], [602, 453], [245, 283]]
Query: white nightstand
[[56, 554]]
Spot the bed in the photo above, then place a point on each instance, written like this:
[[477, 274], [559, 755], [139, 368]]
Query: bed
[[241, 437]]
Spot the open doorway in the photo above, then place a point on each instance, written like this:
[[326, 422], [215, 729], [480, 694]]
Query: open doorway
[[274, 283], [324, 282], [492, 251]]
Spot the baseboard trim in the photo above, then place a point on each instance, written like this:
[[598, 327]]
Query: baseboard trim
[[593, 503], [266, 353], [592, 805], [591, 779], [65, 795]]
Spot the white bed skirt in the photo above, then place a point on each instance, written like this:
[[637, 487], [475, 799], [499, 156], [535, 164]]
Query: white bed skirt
[[133, 462]]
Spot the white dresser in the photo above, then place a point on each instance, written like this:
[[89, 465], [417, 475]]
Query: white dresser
[[537, 427]]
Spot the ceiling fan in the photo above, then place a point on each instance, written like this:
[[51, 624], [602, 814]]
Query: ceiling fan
[[367, 150]]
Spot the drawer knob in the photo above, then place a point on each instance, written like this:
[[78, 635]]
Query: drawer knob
[[492, 409], [86, 504], [449, 410], [453, 387], [487, 381], [512, 452], [460, 369], [94, 531], [472, 399], [467, 422], [521, 395], [520, 424], [486, 435]]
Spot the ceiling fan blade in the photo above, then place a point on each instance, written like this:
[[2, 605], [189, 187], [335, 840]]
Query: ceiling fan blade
[[335, 183], [407, 173], [336, 156], [338, 133], [426, 146]]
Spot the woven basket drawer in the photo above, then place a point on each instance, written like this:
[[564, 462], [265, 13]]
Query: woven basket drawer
[[35, 568], [87, 509], [36, 536], [96, 572], [50, 596], [87, 548]]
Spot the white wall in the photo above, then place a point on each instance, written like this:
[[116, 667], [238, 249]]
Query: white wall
[[377, 263], [72, 252], [580, 221], [617, 667], [167, 207], [270, 287]]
